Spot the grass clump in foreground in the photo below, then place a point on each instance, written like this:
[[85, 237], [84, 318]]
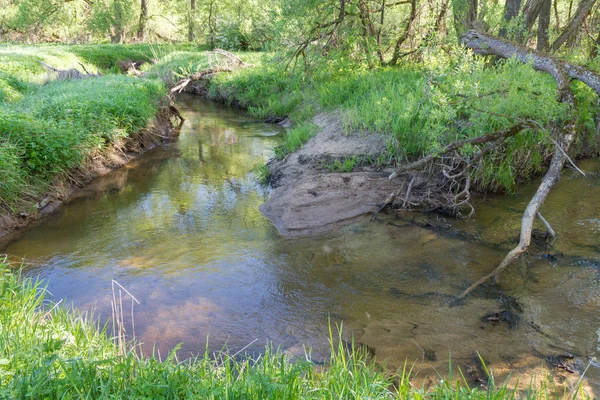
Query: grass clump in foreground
[[47, 351]]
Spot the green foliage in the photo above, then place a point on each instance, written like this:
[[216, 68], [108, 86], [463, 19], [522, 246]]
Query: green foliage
[[345, 165], [267, 92], [262, 174], [295, 138], [11, 88], [418, 109]]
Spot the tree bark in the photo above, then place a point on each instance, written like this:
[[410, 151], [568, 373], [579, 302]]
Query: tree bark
[[543, 25], [531, 11], [192, 21], [141, 33], [569, 35], [409, 22], [484, 44], [511, 10]]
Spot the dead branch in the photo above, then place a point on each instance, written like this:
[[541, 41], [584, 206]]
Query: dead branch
[[485, 44], [207, 74], [231, 58], [490, 137]]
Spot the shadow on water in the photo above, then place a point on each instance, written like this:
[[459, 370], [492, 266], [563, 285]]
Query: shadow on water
[[181, 230]]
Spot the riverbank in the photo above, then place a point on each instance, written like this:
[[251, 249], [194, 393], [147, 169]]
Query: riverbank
[[57, 135], [48, 351], [414, 110]]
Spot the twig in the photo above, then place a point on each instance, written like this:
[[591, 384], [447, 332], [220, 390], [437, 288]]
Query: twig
[[406, 196], [548, 227], [559, 147]]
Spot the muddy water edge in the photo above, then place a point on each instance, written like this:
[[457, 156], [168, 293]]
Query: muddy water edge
[[180, 228]]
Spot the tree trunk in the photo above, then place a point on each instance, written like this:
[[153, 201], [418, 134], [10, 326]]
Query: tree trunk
[[211, 28], [543, 25], [465, 14], [531, 11], [192, 22], [141, 33], [511, 10], [118, 22], [569, 35], [484, 44], [411, 19]]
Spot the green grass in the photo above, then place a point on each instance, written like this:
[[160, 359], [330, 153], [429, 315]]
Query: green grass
[[345, 165], [420, 108], [50, 352], [55, 128]]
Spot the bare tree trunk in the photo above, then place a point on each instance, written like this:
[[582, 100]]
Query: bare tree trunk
[[531, 11], [569, 35], [465, 14], [192, 22], [141, 33], [556, 15], [440, 22], [543, 25], [118, 22], [511, 10], [409, 22], [211, 28]]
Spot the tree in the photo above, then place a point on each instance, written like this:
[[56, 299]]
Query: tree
[[141, 33]]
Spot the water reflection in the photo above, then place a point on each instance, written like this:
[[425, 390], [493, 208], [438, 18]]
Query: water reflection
[[180, 229]]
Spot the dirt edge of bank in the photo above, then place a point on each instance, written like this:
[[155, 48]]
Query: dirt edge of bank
[[159, 131]]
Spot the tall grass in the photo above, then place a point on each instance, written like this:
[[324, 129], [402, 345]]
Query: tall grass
[[50, 352]]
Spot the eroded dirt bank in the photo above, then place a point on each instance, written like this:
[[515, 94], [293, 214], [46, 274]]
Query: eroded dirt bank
[[309, 199], [65, 187]]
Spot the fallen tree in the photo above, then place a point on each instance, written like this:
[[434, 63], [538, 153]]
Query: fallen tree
[[563, 72], [219, 61], [69, 74]]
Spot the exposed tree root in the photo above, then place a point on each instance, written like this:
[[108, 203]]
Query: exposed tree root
[[457, 171], [562, 72]]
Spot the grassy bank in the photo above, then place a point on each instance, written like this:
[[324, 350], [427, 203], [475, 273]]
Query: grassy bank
[[47, 129], [418, 107], [49, 352]]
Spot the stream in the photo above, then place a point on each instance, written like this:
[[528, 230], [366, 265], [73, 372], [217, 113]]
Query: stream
[[180, 229]]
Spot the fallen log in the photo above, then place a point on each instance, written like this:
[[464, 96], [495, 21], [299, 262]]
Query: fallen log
[[562, 72], [228, 62], [206, 74], [69, 74]]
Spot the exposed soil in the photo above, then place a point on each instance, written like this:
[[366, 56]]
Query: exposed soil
[[308, 199], [66, 186]]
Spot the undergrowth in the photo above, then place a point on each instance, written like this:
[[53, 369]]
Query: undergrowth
[[48, 351]]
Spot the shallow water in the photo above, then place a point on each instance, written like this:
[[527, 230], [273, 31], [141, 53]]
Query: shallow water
[[180, 229]]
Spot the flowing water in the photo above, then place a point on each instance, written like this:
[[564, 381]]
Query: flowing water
[[180, 229]]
